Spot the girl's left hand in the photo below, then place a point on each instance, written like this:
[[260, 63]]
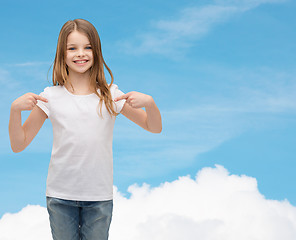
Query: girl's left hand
[[136, 99]]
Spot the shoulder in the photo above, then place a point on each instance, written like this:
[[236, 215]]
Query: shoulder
[[113, 87], [54, 88], [115, 92], [52, 91]]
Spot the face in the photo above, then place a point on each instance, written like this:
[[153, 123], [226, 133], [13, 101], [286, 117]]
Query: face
[[79, 55]]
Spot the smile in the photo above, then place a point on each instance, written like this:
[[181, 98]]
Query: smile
[[81, 61]]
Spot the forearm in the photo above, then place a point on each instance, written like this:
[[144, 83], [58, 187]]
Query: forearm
[[153, 117], [16, 132]]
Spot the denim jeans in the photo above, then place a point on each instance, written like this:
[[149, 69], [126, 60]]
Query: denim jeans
[[79, 220]]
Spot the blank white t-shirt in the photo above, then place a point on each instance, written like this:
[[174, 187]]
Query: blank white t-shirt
[[81, 164]]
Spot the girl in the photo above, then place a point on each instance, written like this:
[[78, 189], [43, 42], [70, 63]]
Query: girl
[[82, 108]]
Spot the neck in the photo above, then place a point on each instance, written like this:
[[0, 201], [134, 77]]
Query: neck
[[80, 82]]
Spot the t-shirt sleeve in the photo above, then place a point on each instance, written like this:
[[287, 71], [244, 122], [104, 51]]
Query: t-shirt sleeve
[[115, 92], [44, 105]]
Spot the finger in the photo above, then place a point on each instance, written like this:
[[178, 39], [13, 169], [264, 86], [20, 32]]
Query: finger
[[124, 96], [37, 97]]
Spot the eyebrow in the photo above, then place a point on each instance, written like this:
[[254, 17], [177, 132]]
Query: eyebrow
[[69, 44]]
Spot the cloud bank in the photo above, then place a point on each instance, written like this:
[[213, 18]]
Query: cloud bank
[[213, 205], [191, 23]]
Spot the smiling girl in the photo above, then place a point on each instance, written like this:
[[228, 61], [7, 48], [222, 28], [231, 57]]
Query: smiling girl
[[82, 108]]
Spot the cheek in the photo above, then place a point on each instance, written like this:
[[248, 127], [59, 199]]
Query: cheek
[[92, 58], [69, 55], [68, 58]]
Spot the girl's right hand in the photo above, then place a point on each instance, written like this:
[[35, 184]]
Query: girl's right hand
[[27, 102]]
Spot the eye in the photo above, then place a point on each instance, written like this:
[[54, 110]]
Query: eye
[[71, 48], [89, 47]]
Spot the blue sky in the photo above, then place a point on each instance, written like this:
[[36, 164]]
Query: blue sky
[[222, 73]]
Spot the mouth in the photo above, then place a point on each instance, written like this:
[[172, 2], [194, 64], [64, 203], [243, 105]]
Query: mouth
[[80, 61]]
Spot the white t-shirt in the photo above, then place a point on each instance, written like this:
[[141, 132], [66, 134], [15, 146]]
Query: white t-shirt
[[81, 164]]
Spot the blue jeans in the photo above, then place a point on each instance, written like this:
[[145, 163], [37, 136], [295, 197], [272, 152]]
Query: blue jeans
[[79, 220]]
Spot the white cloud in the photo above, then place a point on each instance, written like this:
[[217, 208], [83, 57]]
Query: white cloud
[[214, 205], [29, 64], [246, 4], [8, 84], [256, 90], [171, 36], [31, 223]]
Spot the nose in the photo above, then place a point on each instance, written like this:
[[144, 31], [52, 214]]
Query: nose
[[80, 52]]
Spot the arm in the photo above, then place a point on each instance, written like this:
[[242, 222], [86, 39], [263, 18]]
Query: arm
[[150, 119], [21, 136]]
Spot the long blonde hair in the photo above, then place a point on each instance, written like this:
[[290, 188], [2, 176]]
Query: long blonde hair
[[97, 76]]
